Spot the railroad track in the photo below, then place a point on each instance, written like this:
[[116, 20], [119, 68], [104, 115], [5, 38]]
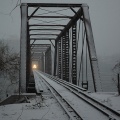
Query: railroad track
[[69, 110], [81, 94]]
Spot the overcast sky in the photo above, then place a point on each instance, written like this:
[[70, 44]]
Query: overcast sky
[[104, 14]]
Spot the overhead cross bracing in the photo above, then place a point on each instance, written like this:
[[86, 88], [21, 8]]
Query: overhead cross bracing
[[66, 25], [49, 19], [38, 52]]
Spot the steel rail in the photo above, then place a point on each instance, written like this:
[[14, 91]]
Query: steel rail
[[68, 83], [77, 91], [56, 94]]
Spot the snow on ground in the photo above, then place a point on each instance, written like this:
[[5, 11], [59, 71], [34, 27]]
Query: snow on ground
[[39, 108], [43, 107], [49, 109], [112, 99], [35, 110], [6, 87]]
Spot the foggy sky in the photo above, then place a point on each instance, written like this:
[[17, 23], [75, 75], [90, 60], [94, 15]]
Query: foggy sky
[[104, 14]]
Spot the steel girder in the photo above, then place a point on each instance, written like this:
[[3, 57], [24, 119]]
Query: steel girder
[[42, 65], [59, 58], [23, 48], [48, 62], [74, 55], [63, 58], [53, 5], [67, 56]]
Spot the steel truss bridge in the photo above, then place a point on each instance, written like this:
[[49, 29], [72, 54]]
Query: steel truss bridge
[[66, 27]]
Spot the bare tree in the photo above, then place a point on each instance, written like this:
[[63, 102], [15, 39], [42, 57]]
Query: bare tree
[[9, 61]]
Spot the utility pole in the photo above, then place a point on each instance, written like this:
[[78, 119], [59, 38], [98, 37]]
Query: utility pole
[[118, 84]]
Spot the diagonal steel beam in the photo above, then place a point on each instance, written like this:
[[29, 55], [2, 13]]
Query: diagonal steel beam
[[91, 50], [76, 13], [33, 13], [52, 44], [32, 43], [70, 23]]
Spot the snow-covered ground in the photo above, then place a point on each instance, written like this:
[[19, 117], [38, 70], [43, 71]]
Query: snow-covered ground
[[49, 109], [111, 99], [7, 88], [39, 108], [35, 110]]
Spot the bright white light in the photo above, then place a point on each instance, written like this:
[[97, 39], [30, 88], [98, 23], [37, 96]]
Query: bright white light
[[34, 66]]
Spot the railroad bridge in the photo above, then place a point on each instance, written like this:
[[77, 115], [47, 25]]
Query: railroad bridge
[[67, 28], [57, 61]]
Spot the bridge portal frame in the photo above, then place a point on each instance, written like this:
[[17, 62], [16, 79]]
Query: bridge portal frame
[[82, 13]]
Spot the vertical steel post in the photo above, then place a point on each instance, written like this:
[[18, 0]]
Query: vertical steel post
[[59, 59], [63, 58], [57, 63], [91, 49], [44, 62], [48, 62], [39, 64], [74, 55], [67, 56], [55, 58], [28, 59], [23, 47]]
